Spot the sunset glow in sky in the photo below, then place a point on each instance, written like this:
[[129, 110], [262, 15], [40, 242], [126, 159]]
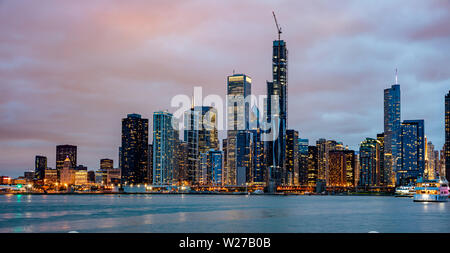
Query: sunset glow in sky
[[71, 70]]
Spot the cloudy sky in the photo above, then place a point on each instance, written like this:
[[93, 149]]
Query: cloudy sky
[[70, 70]]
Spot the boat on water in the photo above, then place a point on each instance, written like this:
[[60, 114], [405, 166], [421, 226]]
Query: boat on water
[[405, 191], [431, 190]]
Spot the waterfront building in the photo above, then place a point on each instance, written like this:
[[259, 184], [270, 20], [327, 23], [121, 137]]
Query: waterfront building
[[384, 173], [91, 176], [313, 165], [446, 156], [201, 135], [258, 161], [29, 176], [276, 149], [40, 165], [244, 153], [369, 161], [67, 176], [113, 176], [303, 161], [164, 140], [134, 150], [290, 174], [238, 119], [225, 166], [392, 129], [62, 152], [431, 166], [215, 160], [341, 168], [149, 163], [51, 176], [412, 152], [81, 177], [323, 148]]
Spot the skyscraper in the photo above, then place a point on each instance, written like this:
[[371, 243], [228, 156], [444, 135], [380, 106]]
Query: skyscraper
[[276, 149], [384, 173], [412, 151], [447, 136], [313, 165], [238, 118], [303, 161], [40, 165], [341, 168], [369, 157], [290, 173], [392, 131], [62, 152], [164, 141], [134, 150], [244, 155], [201, 135]]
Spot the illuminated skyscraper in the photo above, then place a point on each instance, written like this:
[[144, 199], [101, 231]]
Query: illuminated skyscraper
[[238, 118], [392, 131], [412, 152], [341, 168], [134, 150], [313, 165], [62, 152], [369, 160], [164, 149], [303, 161], [447, 136], [276, 149], [201, 135], [290, 173], [40, 165]]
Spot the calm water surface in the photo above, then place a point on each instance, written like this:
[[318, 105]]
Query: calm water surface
[[212, 213]]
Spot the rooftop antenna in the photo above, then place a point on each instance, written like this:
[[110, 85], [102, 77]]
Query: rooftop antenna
[[276, 23], [396, 76]]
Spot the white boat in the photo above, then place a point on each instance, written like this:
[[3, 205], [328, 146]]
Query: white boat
[[405, 191], [431, 190]]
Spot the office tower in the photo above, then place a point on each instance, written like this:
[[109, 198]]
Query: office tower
[[134, 150], [303, 161], [392, 131], [244, 155], [238, 118], [341, 168], [290, 173], [225, 162], [313, 165], [201, 135], [258, 161], [67, 176], [62, 152], [323, 148], [202, 175], [40, 165], [431, 170], [215, 160], [278, 87], [384, 173], [412, 152], [105, 166], [183, 149], [447, 136], [164, 140], [150, 163], [369, 162]]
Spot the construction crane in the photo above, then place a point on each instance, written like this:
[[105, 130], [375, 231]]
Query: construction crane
[[278, 27]]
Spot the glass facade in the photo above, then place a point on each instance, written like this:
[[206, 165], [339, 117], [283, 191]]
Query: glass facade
[[392, 131], [412, 152], [164, 148], [40, 165], [369, 163], [447, 136]]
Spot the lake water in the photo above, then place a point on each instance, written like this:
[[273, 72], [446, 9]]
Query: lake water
[[214, 213]]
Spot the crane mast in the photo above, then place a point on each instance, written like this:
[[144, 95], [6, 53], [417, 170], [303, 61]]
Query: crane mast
[[276, 23]]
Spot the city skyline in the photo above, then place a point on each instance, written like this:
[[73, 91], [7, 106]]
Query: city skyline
[[96, 133]]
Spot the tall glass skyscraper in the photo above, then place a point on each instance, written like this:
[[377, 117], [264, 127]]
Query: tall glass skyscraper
[[134, 150], [164, 141], [447, 136], [369, 159], [392, 132], [276, 149], [412, 152], [201, 135], [303, 161], [238, 118], [290, 172]]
